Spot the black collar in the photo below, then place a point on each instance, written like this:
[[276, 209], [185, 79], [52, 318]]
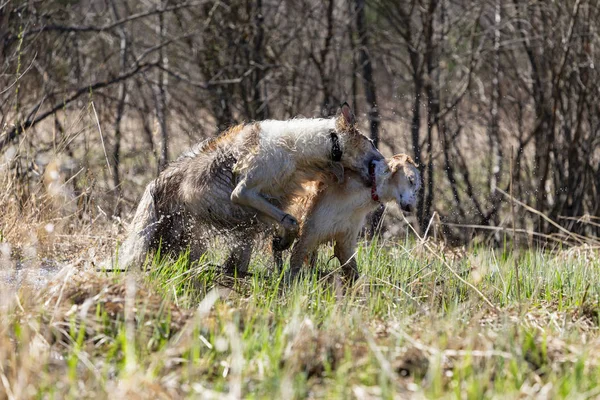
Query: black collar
[[336, 149]]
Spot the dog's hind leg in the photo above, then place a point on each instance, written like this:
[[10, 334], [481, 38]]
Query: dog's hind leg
[[197, 250], [196, 240], [239, 258], [280, 243], [142, 232]]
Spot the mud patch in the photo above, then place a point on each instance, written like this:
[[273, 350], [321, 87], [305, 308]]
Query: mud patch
[[34, 276]]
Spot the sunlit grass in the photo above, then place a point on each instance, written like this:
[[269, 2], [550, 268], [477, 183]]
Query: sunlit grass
[[409, 327]]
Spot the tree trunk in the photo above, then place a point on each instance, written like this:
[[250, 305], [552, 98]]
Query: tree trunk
[[367, 71], [260, 106], [122, 95], [494, 125], [161, 109], [433, 107], [329, 104], [370, 92]]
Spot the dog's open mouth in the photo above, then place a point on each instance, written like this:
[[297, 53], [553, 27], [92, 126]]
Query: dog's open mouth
[[373, 177]]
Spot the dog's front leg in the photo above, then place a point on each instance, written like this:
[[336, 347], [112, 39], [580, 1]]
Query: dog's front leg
[[245, 195], [344, 250], [303, 247]]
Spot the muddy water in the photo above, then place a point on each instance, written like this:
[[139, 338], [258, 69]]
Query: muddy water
[[32, 275]]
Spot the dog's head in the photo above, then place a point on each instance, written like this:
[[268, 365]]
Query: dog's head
[[402, 182], [356, 151]]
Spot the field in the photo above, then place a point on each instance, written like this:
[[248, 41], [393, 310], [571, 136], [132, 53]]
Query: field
[[423, 322], [494, 100]]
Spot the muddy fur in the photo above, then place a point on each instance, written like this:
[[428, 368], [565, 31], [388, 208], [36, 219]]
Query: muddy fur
[[238, 184]]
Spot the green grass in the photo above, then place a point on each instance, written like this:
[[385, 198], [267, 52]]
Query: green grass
[[410, 328]]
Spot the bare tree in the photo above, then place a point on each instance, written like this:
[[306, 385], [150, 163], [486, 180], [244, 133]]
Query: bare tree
[[467, 81]]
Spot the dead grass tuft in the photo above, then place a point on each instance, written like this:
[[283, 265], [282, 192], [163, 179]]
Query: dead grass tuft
[[98, 302], [313, 351]]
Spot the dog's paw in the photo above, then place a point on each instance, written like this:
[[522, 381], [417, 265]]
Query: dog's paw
[[290, 225], [281, 243], [350, 275]]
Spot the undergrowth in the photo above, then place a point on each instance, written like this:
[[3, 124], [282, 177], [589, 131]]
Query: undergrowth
[[421, 322]]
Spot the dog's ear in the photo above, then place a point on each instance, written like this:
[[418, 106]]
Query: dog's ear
[[397, 161], [347, 115], [337, 169]]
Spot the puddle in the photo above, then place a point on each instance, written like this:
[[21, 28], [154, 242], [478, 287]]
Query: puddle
[[33, 275]]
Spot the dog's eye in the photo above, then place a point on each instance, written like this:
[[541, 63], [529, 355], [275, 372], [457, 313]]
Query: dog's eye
[[411, 180]]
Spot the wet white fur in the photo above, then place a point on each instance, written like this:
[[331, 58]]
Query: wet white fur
[[307, 138], [289, 153], [272, 162], [285, 147]]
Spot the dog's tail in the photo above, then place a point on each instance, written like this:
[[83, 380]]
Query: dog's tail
[[142, 232]]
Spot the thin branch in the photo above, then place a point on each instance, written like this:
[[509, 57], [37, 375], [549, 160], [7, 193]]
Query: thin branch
[[7, 137], [112, 25]]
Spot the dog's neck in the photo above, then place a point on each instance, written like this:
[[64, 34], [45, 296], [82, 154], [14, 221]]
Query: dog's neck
[[384, 193], [354, 187]]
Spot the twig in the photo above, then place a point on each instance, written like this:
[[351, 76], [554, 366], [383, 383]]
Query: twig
[[6, 138], [6, 384], [91, 28], [544, 216], [460, 278], [584, 219], [20, 75], [557, 238], [102, 139], [512, 210]]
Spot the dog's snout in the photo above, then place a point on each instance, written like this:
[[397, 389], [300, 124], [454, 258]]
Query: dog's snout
[[375, 162], [378, 157]]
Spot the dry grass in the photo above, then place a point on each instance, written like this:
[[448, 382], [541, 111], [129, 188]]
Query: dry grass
[[425, 321], [409, 329]]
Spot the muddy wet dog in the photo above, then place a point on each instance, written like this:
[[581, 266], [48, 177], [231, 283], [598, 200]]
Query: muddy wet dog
[[239, 183]]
